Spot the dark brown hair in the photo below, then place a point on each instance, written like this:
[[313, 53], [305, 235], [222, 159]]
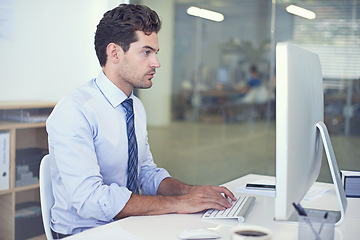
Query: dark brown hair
[[119, 26]]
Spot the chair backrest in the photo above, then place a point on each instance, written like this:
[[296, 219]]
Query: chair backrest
[[46, 196]]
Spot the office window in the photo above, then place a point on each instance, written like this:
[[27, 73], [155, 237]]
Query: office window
[[334, 34], [223, 85]]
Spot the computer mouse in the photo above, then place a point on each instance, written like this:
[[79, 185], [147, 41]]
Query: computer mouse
[[201, 233]]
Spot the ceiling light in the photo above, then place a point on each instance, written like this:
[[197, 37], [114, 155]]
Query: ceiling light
[[302, 12], [207, 14]]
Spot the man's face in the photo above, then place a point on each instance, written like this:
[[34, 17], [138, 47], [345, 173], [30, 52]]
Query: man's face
[[138, 64]]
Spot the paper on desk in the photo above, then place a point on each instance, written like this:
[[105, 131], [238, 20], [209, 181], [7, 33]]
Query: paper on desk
[[312, 194]]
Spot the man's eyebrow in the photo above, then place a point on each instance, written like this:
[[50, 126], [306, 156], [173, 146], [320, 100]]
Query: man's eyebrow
[[151, 48]]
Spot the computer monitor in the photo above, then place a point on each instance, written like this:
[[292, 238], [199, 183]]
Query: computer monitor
[[300, 131], [223, 75]]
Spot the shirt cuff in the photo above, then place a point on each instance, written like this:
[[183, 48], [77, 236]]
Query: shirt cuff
[[114, 203], [151, 183]]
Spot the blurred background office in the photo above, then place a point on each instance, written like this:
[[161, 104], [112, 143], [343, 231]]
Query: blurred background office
[[209, 120]]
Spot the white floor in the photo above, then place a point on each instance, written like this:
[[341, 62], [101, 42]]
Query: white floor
[[214, 153]]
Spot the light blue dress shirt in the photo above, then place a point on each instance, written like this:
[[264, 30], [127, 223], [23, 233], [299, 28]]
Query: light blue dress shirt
[[88, 148]]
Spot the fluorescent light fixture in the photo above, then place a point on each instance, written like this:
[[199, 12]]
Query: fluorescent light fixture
[[302, 12], [207, 14]]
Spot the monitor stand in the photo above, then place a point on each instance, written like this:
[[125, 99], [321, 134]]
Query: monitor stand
[[334, 170], [335, 174]]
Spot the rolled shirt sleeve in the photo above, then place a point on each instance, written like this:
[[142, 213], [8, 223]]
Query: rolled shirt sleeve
[[151, 176]]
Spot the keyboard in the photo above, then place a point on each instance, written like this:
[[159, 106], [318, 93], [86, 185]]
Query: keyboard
[[239, 210]]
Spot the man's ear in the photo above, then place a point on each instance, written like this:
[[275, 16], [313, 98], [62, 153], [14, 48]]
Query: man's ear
[[114, 52]]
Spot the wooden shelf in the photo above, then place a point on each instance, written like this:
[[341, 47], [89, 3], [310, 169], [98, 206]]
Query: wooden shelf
[[7, 191], [23, 136], [7, 125], [25, 188], [25, 105]]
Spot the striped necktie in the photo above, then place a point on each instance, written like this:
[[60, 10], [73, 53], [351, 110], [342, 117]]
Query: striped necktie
[[132, 181]]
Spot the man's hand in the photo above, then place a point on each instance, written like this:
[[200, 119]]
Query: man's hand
[[177, 197], [201, 198]]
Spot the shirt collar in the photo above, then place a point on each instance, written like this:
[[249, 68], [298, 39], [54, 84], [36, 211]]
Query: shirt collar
[[110, 91]]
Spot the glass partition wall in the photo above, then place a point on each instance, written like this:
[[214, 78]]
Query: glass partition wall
[[332, 30], [223, 84]]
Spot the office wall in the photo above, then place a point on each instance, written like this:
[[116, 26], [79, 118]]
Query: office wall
[[50, 49], [157, 100]]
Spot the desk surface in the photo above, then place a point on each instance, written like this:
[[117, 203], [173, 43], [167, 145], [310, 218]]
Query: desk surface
[[170, 225]]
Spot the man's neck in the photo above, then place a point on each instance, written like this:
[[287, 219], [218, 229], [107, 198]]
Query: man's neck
[[114, 79]]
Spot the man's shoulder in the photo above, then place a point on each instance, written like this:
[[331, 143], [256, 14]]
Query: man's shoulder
[[79, 95], [76, 99]]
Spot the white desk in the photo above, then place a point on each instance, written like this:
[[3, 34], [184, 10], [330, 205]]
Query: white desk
[[168, 226]]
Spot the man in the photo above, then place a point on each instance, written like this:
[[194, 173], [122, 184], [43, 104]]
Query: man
[[92, 149]]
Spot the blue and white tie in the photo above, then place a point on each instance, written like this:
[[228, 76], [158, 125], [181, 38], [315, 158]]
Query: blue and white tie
[[132, 181]]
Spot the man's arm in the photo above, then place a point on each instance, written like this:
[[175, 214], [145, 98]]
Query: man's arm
[[177, 197]]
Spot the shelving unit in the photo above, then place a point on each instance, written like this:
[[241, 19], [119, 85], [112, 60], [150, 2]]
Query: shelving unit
[[24, 134]]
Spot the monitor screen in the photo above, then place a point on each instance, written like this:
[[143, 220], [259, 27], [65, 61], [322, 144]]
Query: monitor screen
[[223, 75], [299, 107]]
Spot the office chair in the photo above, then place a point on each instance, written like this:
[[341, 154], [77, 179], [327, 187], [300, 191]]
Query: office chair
[[46, 196]]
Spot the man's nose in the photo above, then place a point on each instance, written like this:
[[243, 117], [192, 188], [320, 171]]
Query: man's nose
[[155, 63]]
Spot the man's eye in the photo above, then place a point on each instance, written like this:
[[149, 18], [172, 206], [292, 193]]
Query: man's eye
[[147, 52]]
